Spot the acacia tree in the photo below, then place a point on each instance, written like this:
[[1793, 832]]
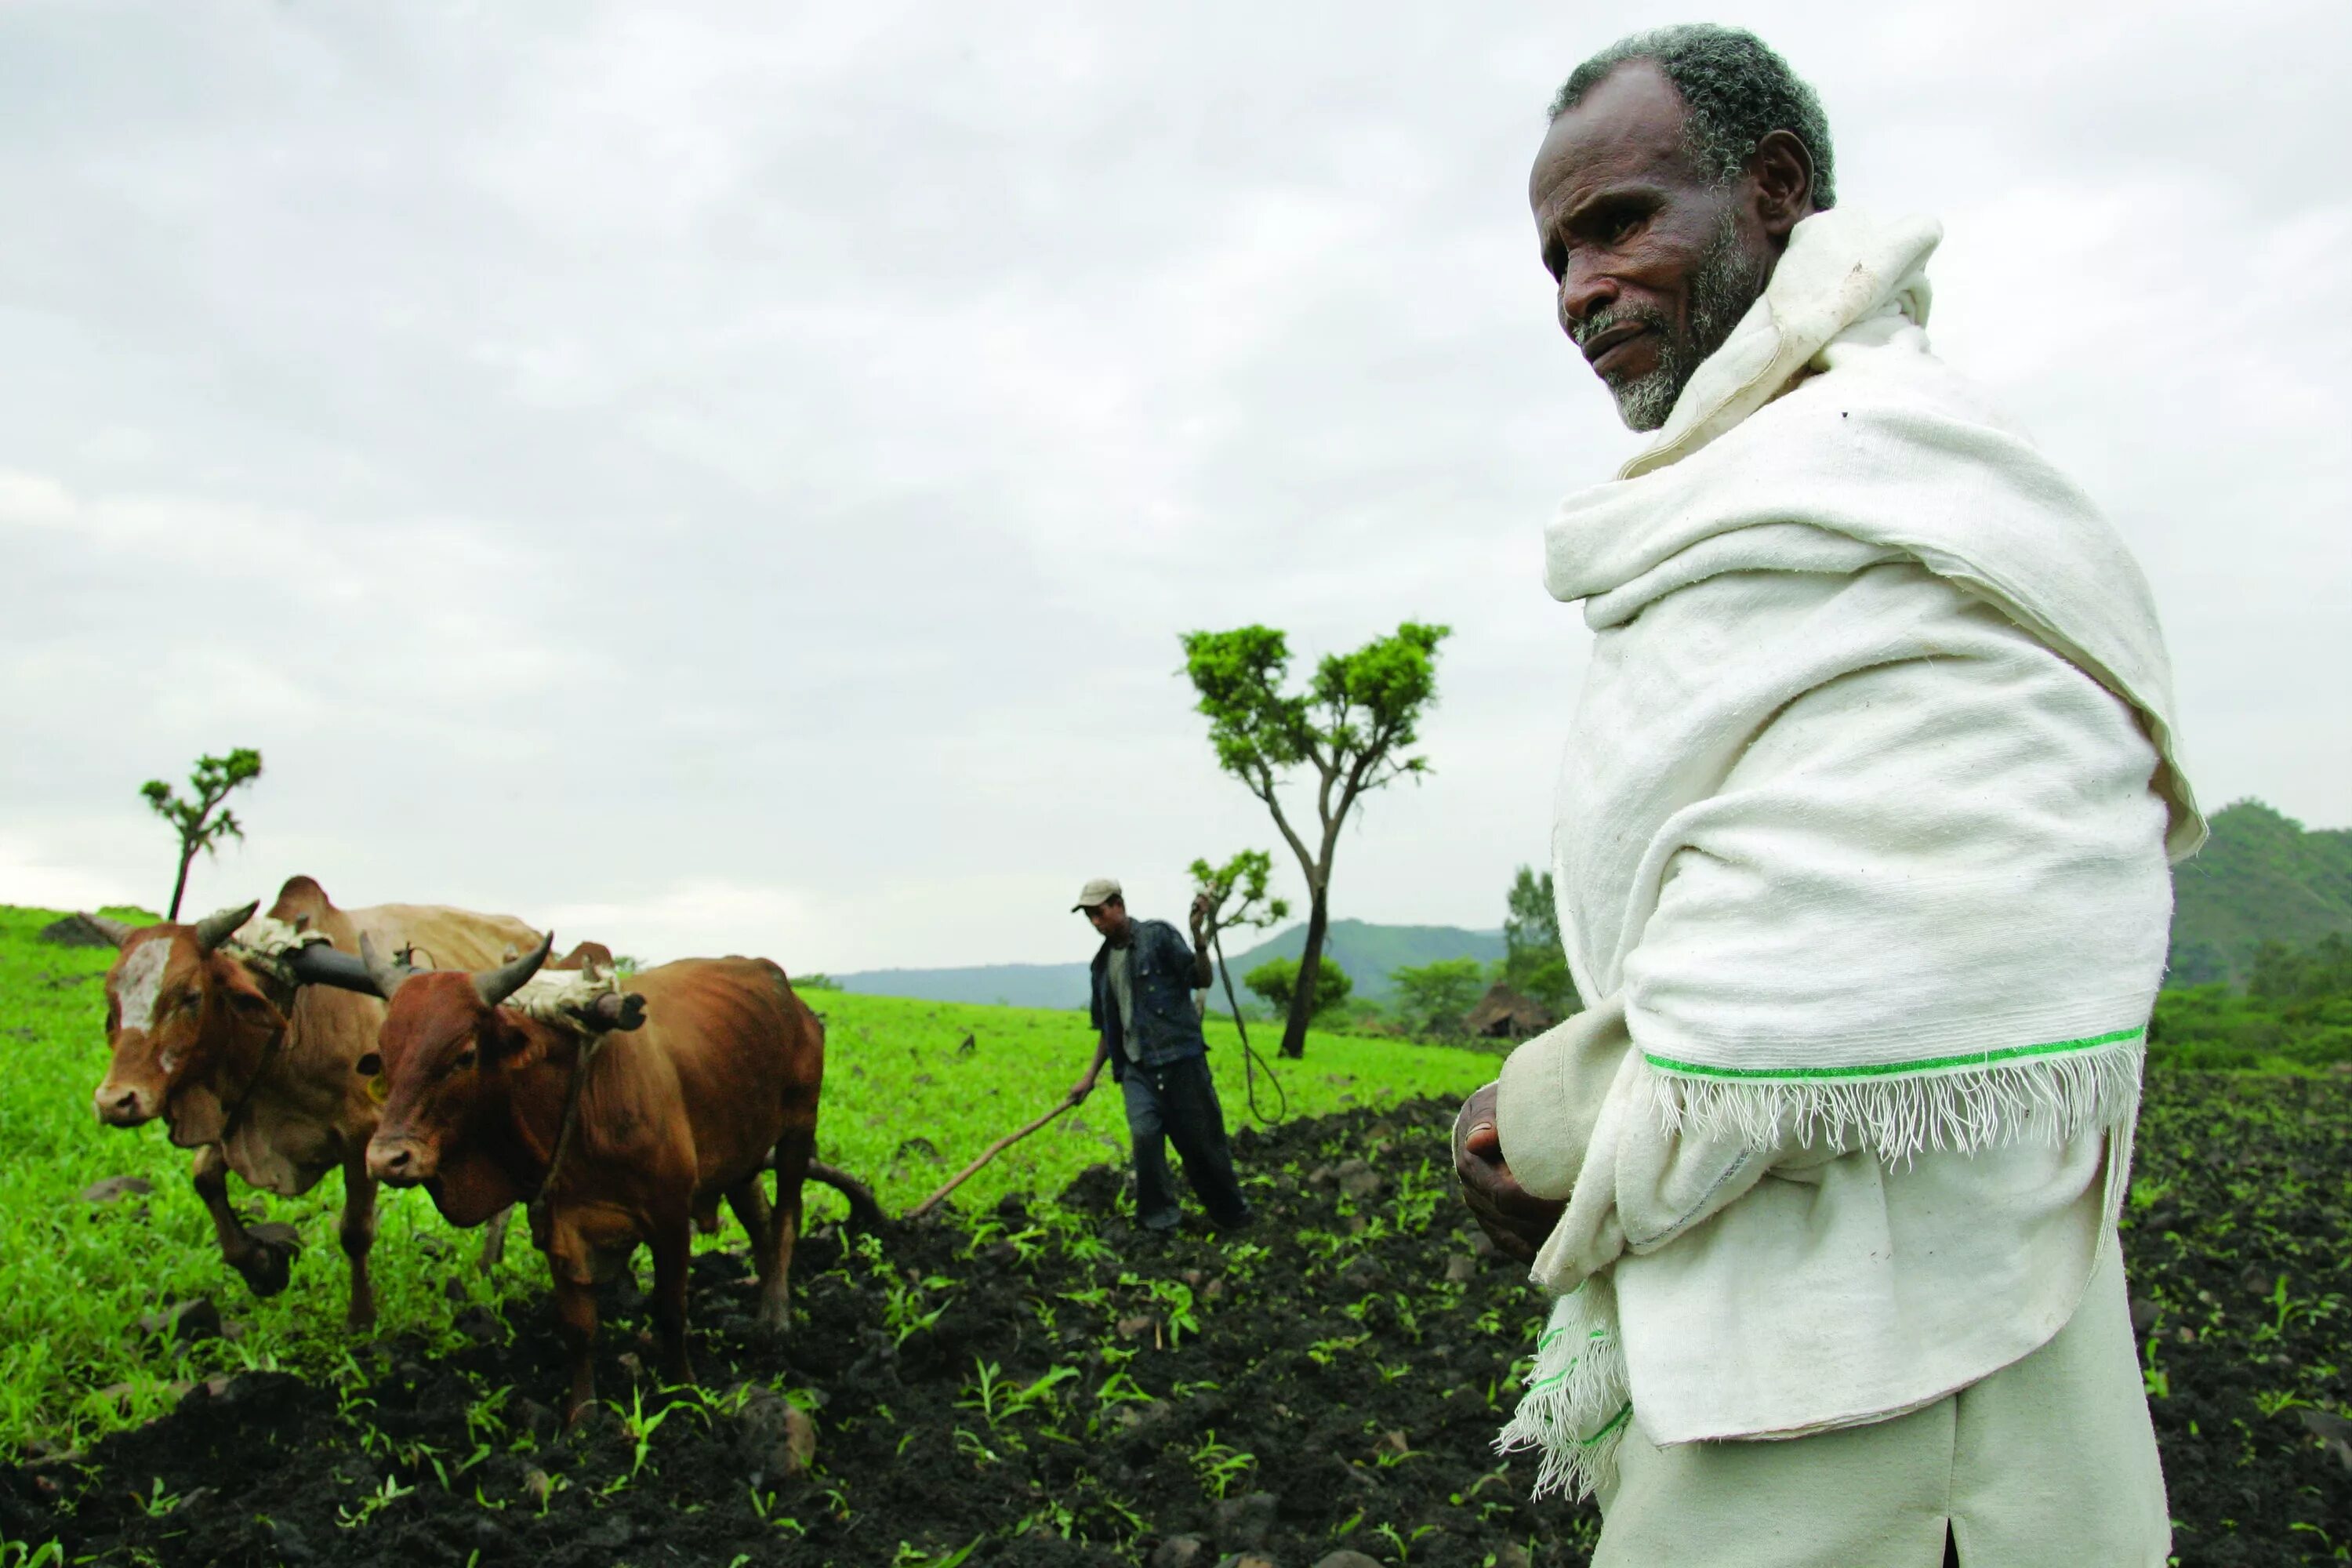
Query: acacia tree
[[204, 821], [1353, 725]]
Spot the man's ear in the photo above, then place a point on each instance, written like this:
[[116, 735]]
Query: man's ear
[[1783, 168], [369, 1064]]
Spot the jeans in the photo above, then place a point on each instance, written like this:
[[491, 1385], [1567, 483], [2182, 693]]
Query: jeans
[[1178, 1102]]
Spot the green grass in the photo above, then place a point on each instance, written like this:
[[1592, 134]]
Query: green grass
[[75, 1279]]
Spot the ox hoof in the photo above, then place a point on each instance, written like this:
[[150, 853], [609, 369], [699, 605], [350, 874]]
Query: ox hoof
[[271, 1264]]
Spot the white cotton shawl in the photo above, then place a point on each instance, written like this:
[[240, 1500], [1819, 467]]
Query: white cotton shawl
[[1865, 817]]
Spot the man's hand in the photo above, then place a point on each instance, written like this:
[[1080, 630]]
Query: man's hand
[[1080, 1090], [1517, 1219], [1200, 916]]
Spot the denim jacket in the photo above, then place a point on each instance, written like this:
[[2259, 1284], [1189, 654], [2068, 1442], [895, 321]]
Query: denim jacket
[[1160, 972]]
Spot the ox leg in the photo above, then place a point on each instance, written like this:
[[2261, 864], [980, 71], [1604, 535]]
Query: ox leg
[[575, 1318], [494, 1238], [793, 1152], [750, 1203], [358, 1235], [673, 1249], [265, 1254]]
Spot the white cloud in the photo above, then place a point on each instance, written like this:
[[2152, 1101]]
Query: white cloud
[[714, 478]]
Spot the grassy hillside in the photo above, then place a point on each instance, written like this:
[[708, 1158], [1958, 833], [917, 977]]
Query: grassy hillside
[[2264, 877], [906, 1105]]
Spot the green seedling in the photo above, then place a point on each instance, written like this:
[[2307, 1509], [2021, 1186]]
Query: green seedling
[[1403, 1543], [157, 1502], [1219, 1465], [914, 1557], [374, 1503]]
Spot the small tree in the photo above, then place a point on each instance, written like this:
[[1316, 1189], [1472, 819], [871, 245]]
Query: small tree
[[1276, 980], [1353, 725], [1535, 961], [1237, 899], [1434, 998], [204, 821], [1240, 882]]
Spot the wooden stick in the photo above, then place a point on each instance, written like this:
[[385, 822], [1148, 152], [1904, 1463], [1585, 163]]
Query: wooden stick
[[991, 1152]]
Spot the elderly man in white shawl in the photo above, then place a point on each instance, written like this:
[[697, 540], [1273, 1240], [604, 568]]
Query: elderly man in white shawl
[[1862, 849]]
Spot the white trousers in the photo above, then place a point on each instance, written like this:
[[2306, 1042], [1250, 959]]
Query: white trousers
[[2050, 1460]]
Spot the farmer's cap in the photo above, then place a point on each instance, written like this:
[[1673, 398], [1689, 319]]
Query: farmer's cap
[[1101, 890]]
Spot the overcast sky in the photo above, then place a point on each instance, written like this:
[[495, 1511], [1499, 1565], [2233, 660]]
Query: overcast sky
[[732, 479]]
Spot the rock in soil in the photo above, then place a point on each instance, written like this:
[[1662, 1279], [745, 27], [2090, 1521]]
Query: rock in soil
[[1178, 1552], [113, 1187], [1244, 1521], [184, 1323], [776, 1438], [1346, 1558]]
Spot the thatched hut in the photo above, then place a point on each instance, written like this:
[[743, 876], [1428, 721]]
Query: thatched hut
[[1504, 1015]]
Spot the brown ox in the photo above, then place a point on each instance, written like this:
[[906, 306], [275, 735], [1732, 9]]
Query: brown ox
[[256, 1075], [665, 1121]]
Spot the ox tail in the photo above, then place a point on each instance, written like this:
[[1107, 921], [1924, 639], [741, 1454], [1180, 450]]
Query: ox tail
[[865, 1214]]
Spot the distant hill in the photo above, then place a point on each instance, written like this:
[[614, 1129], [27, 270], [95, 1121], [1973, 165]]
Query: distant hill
[[1367, 952], [2262, 876], [1012, 984], [1370, 953]]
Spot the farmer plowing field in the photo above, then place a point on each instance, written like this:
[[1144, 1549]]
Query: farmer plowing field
[[1149, 1031], [1861, 848], [241, 1033], [622, 1118]]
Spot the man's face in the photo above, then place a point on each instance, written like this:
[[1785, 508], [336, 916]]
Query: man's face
[[1656, 260], [1109, 918]]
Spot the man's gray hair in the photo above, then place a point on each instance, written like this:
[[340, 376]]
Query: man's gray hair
[[1737, 91]]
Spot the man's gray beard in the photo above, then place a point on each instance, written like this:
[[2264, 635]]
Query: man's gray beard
[[1726, 283]]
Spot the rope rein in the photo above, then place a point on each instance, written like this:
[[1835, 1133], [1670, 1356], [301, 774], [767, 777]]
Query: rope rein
[[591, 1046], [1252, 1063]]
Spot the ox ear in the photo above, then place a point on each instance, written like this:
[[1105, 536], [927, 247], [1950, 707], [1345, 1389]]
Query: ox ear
[[251, 1006]]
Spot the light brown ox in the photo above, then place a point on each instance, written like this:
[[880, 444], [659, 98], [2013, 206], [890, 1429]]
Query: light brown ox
[[254, 1074], [721, 1080]]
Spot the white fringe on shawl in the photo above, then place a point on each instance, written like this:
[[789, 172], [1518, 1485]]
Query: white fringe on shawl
[[1577, 1405], [2048, 1098]]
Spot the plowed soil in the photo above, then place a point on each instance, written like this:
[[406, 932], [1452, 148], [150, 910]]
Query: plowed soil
[[1041, 1384]]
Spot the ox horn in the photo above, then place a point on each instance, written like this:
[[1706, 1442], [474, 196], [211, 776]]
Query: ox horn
[[221, 924], [113, 931], [387, 974], [495, 985]]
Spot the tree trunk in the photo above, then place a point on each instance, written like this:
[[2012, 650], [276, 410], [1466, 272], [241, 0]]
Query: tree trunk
[[180, 884], [1310, 969]]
